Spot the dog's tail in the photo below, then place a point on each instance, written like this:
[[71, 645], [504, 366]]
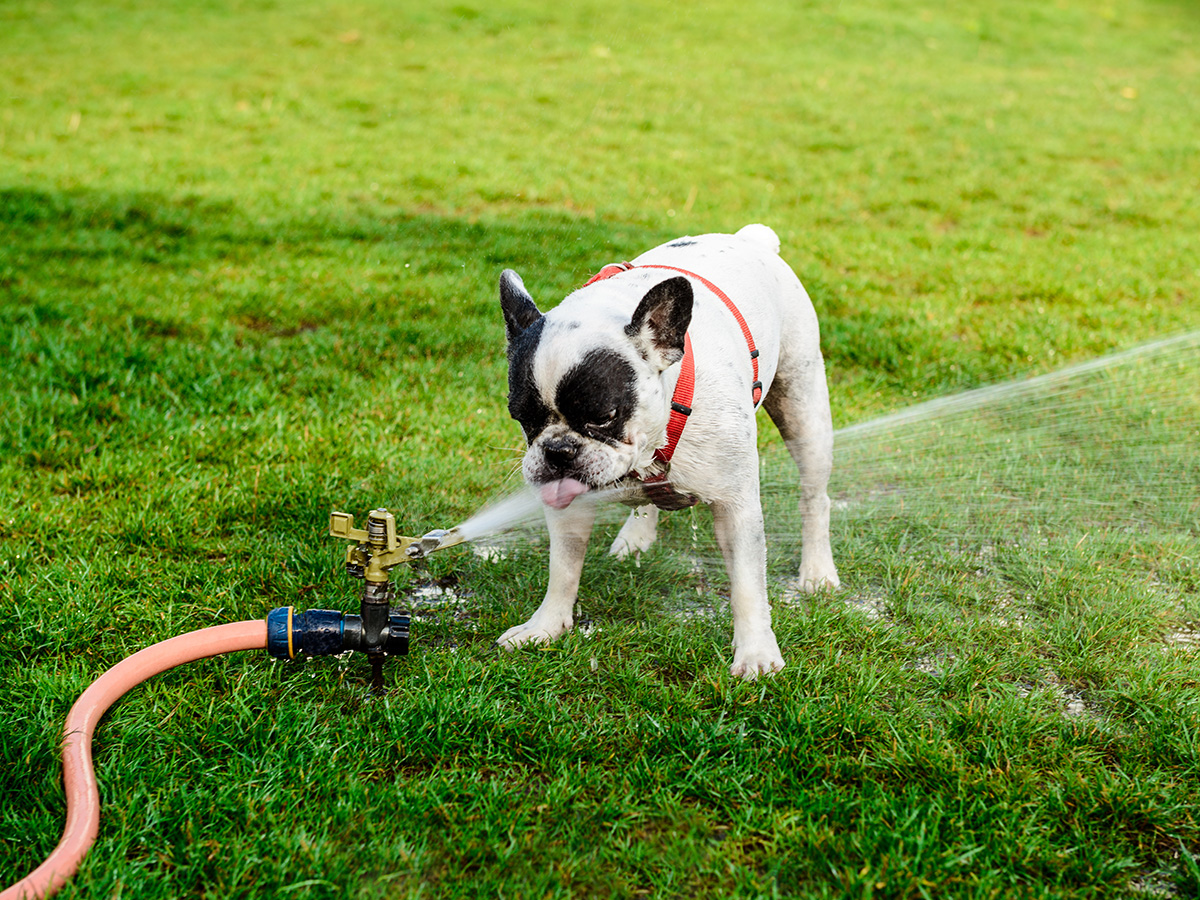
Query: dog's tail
[[761, 235]]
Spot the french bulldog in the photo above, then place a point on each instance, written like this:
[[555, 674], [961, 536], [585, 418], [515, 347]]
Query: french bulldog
[[693, 335]]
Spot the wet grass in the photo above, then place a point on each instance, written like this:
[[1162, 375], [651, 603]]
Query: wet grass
[[248, 257]]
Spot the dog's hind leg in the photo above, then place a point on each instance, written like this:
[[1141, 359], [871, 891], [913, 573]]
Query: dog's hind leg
[[798, 404], [569, 529], [638, 532]]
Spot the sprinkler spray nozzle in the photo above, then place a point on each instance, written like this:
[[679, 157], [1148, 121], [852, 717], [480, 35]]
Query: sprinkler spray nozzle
[[438, 539]]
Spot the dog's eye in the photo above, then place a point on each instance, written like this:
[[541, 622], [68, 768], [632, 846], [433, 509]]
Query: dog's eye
[[608, 419]]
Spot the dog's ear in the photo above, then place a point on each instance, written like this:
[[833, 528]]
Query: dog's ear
[[519, 309], [661, 321]]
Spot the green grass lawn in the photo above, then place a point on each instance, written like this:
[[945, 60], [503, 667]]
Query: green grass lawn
[[248, 266]]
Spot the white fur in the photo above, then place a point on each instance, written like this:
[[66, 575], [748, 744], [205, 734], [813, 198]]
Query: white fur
[[716, 458]]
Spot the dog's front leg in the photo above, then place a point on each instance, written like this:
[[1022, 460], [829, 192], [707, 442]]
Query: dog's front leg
[[742, 539], [569, 529]]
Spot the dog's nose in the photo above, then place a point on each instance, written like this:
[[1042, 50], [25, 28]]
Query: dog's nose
[[560, 452]]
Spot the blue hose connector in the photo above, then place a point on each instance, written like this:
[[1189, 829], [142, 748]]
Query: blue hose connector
[[317, 632], [327, 632]]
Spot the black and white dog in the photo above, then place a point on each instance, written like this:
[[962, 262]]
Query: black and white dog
[[648, 379]]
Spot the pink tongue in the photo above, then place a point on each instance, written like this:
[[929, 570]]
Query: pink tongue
[[559, 494]]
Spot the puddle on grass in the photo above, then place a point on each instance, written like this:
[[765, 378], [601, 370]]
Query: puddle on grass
[[1154, 884], [1072, 704], [690, 610], [435, 595], [432, 600], [1184, 640], [871, 603], [1070, 700], [934, 664], [585, 625], [493, 551], [1011, 614]]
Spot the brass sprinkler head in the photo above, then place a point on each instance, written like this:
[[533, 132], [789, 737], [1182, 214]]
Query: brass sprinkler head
[[372, 554], [376, 549]]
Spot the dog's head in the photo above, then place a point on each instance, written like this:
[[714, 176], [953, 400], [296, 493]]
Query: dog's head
[[584, 381]]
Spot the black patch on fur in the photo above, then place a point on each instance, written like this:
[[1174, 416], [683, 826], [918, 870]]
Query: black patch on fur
[[666, 311], [524, 401], [598, 396], [520, 312], [683, 243]]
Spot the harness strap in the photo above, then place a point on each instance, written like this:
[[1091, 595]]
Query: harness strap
[[681, 401], [609, 271]]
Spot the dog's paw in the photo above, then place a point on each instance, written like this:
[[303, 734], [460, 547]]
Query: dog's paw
[[626, 546], [758, 658], [637, 535], [818, 578], [749, 666], [535, 631]]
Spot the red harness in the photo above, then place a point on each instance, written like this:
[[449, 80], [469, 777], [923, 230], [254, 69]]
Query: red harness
[[658, 489]]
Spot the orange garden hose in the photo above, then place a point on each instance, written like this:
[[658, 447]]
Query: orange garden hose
[[284, 634], [83, 796]]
